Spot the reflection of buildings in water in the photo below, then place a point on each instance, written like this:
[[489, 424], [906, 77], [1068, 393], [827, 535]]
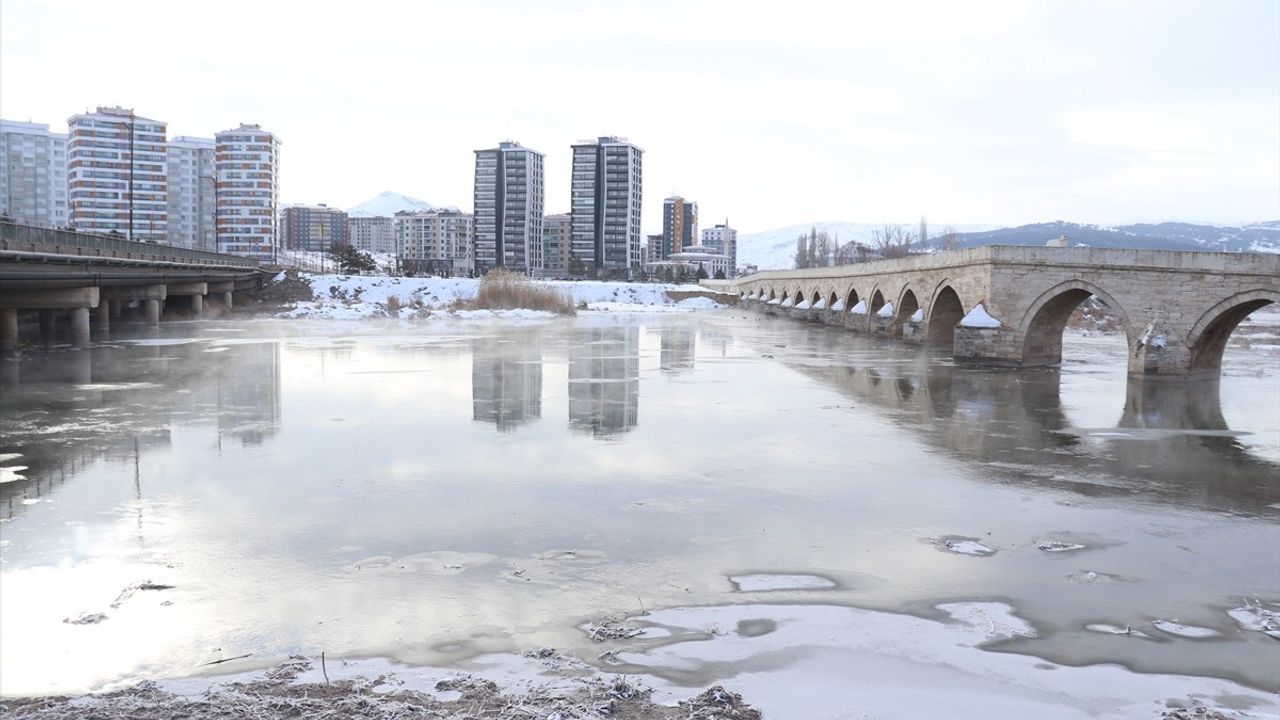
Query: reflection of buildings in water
[[676, 348], [506, 382], [248, 392], [714, 340], [604, 380], [148, 390]]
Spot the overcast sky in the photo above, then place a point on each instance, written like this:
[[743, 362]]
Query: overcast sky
[[769, 114]]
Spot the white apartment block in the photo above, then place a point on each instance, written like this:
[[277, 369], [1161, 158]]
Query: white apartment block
[[117, 174], [192, 192], [605, 206], [508, 209], [724, 240], [33, 181], [436, 242], [247, 166], [373, 234]]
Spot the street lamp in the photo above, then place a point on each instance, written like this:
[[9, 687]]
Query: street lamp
[[213, 180], [133, 122]]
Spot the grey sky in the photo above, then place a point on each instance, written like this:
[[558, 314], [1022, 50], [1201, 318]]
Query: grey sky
[[768, 113]]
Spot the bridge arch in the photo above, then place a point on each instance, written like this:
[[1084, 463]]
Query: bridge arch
[[832, 299], [907, 304], [1042, 324], [877, 302], [850, 299], [1208, 337], [944, 314]]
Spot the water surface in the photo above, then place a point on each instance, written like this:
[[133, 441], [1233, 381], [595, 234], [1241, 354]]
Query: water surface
[[435, 492]]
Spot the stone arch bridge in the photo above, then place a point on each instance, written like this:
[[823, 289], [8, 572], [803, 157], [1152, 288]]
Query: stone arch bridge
[[1008, 305]]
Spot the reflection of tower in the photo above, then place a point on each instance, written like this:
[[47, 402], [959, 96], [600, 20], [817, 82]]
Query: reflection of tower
[[249, 393], [506, 382], [604, 380], [676, 348]]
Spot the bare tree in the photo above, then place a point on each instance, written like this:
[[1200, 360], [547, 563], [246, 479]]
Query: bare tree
[[802, 253], [893, 241], [813, 247], [924, 233], [949, 240], [824, 249]]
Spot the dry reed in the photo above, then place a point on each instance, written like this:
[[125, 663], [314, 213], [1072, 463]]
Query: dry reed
[[505, 290]]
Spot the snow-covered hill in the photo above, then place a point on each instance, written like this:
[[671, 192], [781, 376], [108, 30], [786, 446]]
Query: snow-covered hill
[[388, 203], [776, 249], [1253, 237]]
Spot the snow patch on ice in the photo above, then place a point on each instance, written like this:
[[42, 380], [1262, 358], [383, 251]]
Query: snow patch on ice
[[765, 582], [860, 308], [918, 315], [886, 311], [1174, 627]]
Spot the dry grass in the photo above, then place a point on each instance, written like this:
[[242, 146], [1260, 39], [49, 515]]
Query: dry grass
[[504, 290], [278, 694]]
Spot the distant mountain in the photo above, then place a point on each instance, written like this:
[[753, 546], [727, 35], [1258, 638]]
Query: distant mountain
[[388, 203], [1258, 237], [776, 249]]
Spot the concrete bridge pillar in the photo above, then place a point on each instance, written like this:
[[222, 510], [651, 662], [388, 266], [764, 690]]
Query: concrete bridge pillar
[[197, 305], [46, 328], [153, 311], [117, 308], [226, 300], [8, 329], [80, 327], [102, 325]]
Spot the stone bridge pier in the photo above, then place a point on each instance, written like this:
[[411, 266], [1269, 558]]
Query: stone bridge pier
[[1009, 305]]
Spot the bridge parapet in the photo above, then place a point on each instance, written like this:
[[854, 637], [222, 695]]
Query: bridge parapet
[[1176, 308], [17, 239]]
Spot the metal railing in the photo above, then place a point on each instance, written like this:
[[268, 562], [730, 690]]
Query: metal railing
[[29, 238]]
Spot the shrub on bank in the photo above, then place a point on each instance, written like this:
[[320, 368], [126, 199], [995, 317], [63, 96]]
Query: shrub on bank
[[505, 290]]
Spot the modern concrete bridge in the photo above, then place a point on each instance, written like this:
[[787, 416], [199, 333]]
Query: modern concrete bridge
[[57, 273], [1177, 309]]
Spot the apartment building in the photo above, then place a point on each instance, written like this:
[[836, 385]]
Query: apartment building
[[117, 174], [679, 226], [557, 244], [247, 166], [508, 209], [33, 179], [192, 192], [723, 240], [372, 234], [436, 242], [313, 228], [605, 210]]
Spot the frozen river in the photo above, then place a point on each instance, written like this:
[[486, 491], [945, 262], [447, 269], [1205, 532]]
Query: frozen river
[[437, 493]]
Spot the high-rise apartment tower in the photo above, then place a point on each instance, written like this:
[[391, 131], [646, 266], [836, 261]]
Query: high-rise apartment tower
[[508, 209], [247, 165], [606, 195], [117, 174]]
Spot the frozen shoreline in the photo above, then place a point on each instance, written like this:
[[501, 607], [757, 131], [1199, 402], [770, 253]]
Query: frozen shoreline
[[813, 661], [352, 297]]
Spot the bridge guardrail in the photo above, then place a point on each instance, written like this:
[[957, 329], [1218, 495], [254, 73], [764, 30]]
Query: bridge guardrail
[[70, 242]]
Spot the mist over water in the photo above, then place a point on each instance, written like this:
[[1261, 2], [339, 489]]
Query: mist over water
[[436, 492]]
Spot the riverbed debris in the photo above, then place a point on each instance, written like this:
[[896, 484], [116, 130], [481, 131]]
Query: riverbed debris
[[284, 692], [612, 629]]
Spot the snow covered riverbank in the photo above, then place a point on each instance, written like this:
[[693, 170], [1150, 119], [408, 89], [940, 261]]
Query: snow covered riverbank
[[811, 662], [348, 297]]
